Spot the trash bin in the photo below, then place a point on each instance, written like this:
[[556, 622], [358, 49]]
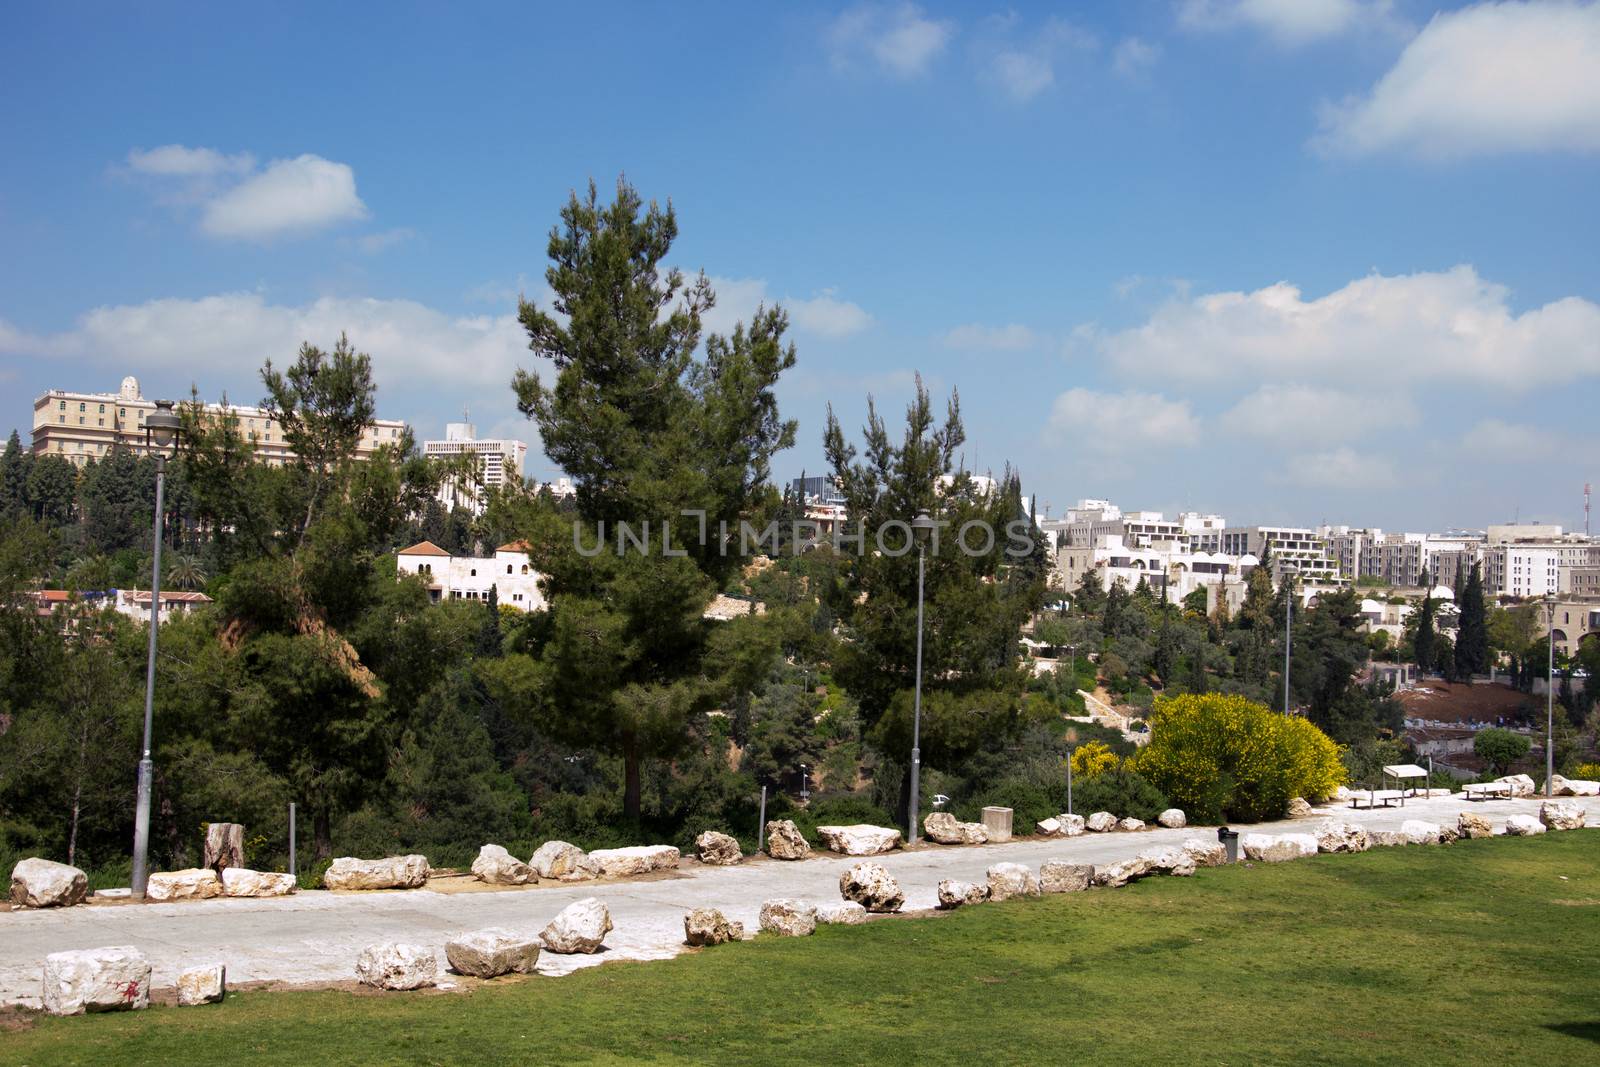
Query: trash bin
[[1230, 841]]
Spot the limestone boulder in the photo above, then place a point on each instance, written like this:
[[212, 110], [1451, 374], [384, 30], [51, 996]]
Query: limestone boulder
[[860, 840], [1561, 815], [1278, 848], [1470, 825], [563, 862], [1007, 880], [1342, 793], [496, 866], [1419, 832], [202, 985], [872, 886], [635, 860], [242, 882], [1130, 824], [717, 850], [391, 872], [397, 965], [40, 883], [1521, 784], [1120, 873], [1523, 826], [1171, 860], [1300, 808], [1101, 822], [492, 952], [943, 828], [1448, 834], [1387, 838], [708, 926], [788, 918], [96, 979], [1071, 825], [785, 841], [1573, 787], [953, 893], [1047, 827], [1206, 853], [1173, 819], [844, 913], [1338, 836], [195, 883], [1059, 876], [581, 926]]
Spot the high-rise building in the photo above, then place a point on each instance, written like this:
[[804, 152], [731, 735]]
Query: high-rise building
[[499, 463], [84, 426]]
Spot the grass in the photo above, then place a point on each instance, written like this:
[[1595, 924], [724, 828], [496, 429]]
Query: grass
[[1481, 952]]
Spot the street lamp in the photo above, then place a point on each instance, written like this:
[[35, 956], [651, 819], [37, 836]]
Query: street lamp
[[1550, 695], [921, 526], [161, 428], [1288, 636]]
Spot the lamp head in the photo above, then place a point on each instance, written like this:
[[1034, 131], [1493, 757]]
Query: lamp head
[[922, 525], [162, 425]]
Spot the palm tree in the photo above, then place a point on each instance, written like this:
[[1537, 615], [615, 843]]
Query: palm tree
[[185, 573]]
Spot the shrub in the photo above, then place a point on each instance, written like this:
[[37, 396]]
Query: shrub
[[1122, 792], [1587, 772], [1500, 748], [1029, 802], [1093, 758], [1219, 756]]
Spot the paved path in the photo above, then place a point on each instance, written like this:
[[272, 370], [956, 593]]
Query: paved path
[[313, 937]]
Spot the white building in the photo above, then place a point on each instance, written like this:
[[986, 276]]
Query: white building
[[1293, 549], [1539, 564], [499, 463], [447, 577], [1203, 532]]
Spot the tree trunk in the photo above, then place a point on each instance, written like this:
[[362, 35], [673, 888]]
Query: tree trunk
[[630, 789], [322, 834], [77, 798], [224, 846]]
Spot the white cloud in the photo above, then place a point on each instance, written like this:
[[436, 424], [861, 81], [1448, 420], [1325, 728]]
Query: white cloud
[[1023, 75], [1378, 331], [974, 336], [1288, 22], [899, 38], [1492, 78], [291, 196], [1309, 414], [824, 315], [1131, 58], [1121, 423], [229, 336], [1510, 442], [828, 316], [373, 243], [179, 161], [1339, 468]]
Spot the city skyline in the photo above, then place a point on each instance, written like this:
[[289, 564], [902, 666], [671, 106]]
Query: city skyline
[[1288, 263]]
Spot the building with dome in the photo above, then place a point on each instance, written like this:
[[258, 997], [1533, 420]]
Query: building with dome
[[84, 426]]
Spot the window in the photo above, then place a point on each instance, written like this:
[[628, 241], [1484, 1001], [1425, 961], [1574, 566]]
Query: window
[[474, 572], [82, 406], [102, 409], [63, 419], [63, 405], [122, 413], [508, 568], [80, 420], [102, 422]]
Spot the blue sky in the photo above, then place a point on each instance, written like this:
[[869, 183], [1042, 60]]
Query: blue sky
[[1290, 260]]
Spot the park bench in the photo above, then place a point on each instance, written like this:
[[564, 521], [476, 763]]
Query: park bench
[[1487, 790], [1373, 798]]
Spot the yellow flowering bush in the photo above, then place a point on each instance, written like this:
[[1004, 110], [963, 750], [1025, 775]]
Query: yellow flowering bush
[[1224, 757], [1093, 758], [1584, 772]]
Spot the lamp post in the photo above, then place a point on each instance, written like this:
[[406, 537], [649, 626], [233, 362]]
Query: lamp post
[[920, 526], [161, 429], [1288, 636], [1550, 695]]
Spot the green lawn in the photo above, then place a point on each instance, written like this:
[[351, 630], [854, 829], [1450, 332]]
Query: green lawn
[[1480, 952]]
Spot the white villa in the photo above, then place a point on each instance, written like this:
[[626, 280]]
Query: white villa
[[509, 571]]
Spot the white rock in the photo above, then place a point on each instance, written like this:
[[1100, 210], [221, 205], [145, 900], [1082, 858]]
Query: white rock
[[1561, 815], [872, 886], [1101, 822], [40, 883], [1277, 848], [492, 952], [96, 979], [708, 926], [1521, 784], [943, 828], [1341, 793], [860, 839], [203, 985], [391, 872], [563, 862], [496, 866], [953, 894], [1387, 838], [717, 849], [196, 883], [1170, 860], [1047, 827], [1173, 819], [1059, 876], [1573, 787], [1130, 824], [1523, 826], [1338, 836], [785, 841], [1418, 832], [581, 927], [1121, 872], [1206, 853], [1007, 880], [1470, 825], [844, 913], [241, 882], [397, 965], [1071, 825], [634, 860], [788, 918], [1299, 808]]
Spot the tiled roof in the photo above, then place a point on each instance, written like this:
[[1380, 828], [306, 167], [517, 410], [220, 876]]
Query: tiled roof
[[423, 548]]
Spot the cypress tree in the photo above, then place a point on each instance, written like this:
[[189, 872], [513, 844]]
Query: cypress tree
[[1472, 640]]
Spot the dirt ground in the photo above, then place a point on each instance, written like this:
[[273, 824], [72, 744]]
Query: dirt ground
[[1442, 702]]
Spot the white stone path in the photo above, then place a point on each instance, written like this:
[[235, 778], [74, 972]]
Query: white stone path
[[313, 938]]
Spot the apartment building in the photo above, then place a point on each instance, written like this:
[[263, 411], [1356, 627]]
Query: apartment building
[[1348, 545], [1404, 558], [496, 463], [84, 426], [1576, 623], [1202, 532], [1293, 548], [447, 577], [1534, 566]]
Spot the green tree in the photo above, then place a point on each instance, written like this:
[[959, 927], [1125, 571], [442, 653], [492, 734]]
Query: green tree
[[117, 497], [15, 466], [1499, 748], [52, 490], [1472, 635], [1423, 646]]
